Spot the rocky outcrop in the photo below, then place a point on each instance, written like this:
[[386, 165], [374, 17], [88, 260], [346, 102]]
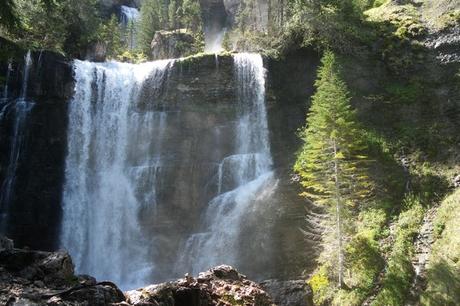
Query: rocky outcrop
[[290, 292], [456, 181], [221, 285], [172, 44], [43, 278], [445, 44]]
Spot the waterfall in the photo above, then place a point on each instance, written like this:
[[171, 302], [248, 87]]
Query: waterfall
[[129, 19], [25, 79], [242, 177], [7, 80], [214, 39], [129, 14], [19, 110], [125, 141], [114, 156]]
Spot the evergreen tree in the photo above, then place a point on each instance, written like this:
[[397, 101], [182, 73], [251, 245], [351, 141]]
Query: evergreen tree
[[331, 164]]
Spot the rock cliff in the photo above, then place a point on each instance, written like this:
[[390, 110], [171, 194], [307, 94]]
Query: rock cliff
[[199, 95]]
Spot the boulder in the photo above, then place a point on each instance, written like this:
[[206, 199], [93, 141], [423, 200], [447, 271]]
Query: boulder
[[456, 181], [47, 278], [97, 52], [172, 44], [289, 292], [5, 244], [222, 285]]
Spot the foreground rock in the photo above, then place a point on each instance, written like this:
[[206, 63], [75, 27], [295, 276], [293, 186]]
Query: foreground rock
[[219, 286], [289, 292], [45, 278]]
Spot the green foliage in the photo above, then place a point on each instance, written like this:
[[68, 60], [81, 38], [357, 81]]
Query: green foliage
[[399, 271], [331, 137], [132, 56], [405, 93], [319, 283], [332, 167], [167, 15], [109, 34], [443, 272], [61, 26], [364, 261], [8, 17]]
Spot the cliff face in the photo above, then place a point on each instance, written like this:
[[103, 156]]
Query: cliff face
[[32, 159], [199, 96]]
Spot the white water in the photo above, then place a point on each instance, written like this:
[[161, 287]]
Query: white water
[[213, 41], [114, 155], [116, 158], [243, 177], [20, 110], [129, 19], [129, 14], [25, 77], [7, 80]]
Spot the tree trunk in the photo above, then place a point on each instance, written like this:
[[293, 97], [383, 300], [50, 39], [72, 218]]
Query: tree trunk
[[338, 212]]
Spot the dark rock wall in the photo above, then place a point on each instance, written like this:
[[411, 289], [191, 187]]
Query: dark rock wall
[[34, 210], [289, 87]]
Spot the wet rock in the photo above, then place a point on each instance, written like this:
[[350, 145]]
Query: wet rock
[[5, 244], [290, 292], [32, 216]]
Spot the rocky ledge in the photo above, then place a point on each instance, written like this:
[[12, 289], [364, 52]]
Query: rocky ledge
[[47, 278]]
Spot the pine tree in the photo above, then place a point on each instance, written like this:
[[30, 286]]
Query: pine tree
[[331, 163]]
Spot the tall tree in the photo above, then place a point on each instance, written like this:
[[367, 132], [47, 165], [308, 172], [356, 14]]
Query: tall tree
[[331, 164]]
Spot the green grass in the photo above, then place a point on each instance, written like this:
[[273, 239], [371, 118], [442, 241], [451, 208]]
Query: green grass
[[443, 271], [399, 271]]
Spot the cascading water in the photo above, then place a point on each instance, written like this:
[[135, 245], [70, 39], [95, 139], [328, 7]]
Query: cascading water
[[129, 18], [19, 110], [214, 39], [25, 79], [7, 79], [242, 177], [125, 141], [114, 155]]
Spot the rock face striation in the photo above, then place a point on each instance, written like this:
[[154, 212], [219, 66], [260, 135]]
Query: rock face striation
[[44, 278]]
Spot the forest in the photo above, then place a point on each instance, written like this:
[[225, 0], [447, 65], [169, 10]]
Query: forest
[[312, 145]]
